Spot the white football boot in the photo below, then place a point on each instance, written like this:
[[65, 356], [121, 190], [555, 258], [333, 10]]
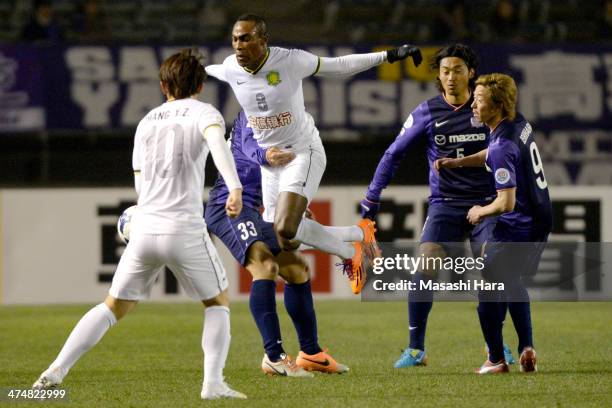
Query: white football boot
[[285, 367], [220, 390], [50, 378]]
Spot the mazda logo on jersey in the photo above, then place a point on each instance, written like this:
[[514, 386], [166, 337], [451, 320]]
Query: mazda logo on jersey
[[440, 139], [473, 137]]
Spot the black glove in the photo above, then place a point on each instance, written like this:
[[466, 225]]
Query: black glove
[[369, 209], [404, 52]]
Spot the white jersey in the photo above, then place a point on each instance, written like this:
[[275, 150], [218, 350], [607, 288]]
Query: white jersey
[[170, 153], [272, 96]]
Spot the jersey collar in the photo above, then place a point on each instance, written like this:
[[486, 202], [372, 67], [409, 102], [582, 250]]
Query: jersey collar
[[494, 128], [457, 107], [261, 64]]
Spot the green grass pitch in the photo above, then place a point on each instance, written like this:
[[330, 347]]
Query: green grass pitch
[[153, 358]]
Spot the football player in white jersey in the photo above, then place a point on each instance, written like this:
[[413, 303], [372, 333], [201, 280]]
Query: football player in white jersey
[[170, 149], [267, 82]]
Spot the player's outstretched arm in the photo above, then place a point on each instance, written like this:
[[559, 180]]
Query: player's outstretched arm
[[403, 52], [413, 130], [446, 163], [355, 63], [473, 160]]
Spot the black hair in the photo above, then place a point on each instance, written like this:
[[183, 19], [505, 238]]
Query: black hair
[[260, 23], [462, 51]]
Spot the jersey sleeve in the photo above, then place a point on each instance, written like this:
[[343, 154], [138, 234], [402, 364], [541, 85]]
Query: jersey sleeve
[[303, 63], [503, 159], [217, 71], [414, 129], [350, 64], [210, 117]]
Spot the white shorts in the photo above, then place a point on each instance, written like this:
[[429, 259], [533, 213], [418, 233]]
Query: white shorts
[[302, 176], [193, 259]]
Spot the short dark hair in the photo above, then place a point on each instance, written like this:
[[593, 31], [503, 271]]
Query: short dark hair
[[462, 51], [260, 23], [183, 73]]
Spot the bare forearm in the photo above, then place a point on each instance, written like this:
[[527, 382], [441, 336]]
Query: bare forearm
[[503, 203], [473, 160], [493, 209]]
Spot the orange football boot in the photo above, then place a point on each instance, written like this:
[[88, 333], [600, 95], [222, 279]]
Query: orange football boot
[[321, 361], [369, 238], [355, 268]]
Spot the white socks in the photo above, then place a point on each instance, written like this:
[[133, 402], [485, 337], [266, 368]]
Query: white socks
[[96, 322], [215, 342], [318, 236], [86, 334], [347, 234]]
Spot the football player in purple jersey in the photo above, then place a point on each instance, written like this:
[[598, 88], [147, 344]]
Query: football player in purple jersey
[[524, 214], [446, 125]]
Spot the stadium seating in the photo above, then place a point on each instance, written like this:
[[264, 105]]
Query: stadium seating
[[147, 21]]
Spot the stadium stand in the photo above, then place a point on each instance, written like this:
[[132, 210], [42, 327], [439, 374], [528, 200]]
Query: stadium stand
[[145, 21]]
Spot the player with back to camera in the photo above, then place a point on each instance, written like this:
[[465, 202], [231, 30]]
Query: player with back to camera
[[170, 148], [267, 81], [446, 124], [525, 216], [253, 243]]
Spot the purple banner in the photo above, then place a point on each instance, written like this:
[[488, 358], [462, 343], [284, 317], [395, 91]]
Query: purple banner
[[564, 90], [21, 89], [112, 87]]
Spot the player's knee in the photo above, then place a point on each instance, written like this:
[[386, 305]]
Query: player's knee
[[293, 267], [295, 273], [286, 229], [261, 263], [119, 307], [268, 269], [222, 299], [288, 244]]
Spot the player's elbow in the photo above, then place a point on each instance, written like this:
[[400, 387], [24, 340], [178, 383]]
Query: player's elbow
[[391, 159]]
